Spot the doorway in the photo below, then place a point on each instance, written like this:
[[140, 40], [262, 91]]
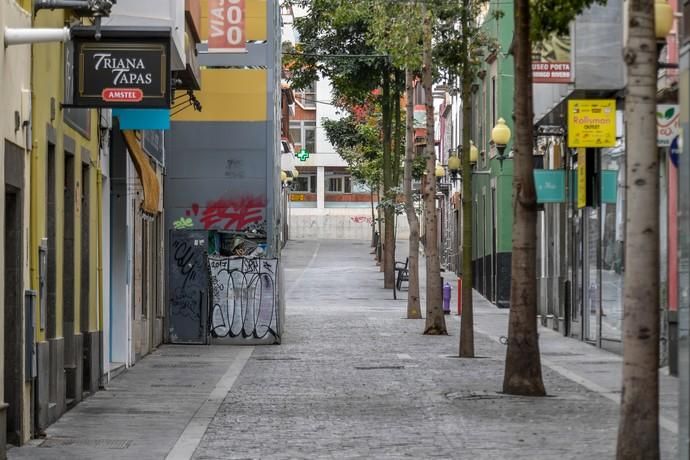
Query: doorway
[[13, 313], [72, 340]]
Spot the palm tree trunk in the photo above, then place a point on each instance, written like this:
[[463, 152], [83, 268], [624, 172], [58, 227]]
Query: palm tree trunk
[[414, 310], [638, 431], [523, 366], [435, 321]]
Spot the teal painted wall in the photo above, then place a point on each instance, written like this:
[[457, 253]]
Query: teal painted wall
[[502, 30]]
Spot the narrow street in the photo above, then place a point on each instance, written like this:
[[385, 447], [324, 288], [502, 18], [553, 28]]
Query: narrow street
[[352, 379]]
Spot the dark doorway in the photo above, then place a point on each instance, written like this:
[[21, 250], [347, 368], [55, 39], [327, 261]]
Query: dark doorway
[[188, 284], [13, 298], [13, 314], [51, 258], [72, 346], [85, 285]]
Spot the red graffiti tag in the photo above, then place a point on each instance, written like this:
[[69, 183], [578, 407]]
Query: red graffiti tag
[[230, 214]]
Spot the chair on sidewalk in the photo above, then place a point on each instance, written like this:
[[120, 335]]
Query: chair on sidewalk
[[403, 273]]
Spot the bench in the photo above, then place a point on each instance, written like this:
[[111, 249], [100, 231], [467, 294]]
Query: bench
[[403, 274]]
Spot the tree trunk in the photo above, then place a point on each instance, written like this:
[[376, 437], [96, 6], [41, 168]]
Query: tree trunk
[[638, 431], [414, 310], [373, 219], [379, 249], [388, 213], [435, 321], [398, 137], [523, 365], [467, 318]]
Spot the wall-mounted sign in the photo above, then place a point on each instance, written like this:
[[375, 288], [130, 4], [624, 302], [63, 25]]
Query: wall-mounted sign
[[591, 123], [551, 60], [226, 31], [667, 124], [120, 70], [550, 185]]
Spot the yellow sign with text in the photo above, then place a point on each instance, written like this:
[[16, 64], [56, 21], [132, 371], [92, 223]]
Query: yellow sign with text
[[591, 123], [581, 178]]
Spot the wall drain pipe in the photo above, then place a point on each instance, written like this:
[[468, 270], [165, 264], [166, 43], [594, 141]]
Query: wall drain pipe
[[29, 36]]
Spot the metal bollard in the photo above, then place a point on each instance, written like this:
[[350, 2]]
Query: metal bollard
[[446, 298]]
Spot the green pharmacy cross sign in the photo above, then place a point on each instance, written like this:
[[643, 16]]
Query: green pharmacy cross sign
[[302, 155]]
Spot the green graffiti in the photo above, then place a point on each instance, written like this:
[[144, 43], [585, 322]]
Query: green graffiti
[[183, 223]]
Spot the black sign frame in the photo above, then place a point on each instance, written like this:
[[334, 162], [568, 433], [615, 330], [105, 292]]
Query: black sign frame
[[96, 74]]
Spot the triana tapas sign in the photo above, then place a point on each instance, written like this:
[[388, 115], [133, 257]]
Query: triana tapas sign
[[120, 70]]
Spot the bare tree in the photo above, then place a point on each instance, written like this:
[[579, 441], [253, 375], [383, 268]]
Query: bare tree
[[638, 432], [467, 318], [435, 321], [413, 305], [523, 366]]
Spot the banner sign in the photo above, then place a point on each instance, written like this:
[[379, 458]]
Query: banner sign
[[550, 185], [120, 72], [551, 60], [550, 72], [591, 123], [667, 124], [226, 26]]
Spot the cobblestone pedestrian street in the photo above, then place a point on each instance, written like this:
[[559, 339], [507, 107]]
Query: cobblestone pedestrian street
[[354, 379]]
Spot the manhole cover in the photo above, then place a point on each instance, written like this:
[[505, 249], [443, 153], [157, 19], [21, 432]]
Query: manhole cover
[[176, 365], [475, 395], [270, 358], [99, 443], [372, 368], [164, 355], [171, 385]]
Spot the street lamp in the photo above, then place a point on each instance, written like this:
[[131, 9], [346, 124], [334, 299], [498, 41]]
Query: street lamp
[[454, 165], [295, 173], [439, 172], [474, 153], [283, 176], [500, 136]]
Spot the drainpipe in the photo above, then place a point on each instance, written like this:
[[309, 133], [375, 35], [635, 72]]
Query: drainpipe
[[28, 36], [61, 4]]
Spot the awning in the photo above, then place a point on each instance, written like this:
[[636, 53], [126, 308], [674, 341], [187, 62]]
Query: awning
[[149, 180]]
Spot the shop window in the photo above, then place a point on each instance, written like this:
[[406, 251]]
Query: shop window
[[340, 184], [305, 183], [335, 184]]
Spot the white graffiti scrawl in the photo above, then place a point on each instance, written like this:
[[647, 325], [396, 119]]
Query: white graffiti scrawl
[[244, 297]]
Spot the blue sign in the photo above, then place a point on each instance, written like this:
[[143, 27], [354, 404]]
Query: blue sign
[[609, 186], [141, 119], [674, 150], [550, 185]]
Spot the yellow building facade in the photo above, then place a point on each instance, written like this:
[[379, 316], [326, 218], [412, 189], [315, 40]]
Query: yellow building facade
[[64, 238]]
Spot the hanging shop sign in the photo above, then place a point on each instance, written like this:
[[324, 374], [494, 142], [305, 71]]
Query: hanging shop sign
[[591, 123], [226, 26], [124, 69], [551, 60], [667, 124], [550, 185]]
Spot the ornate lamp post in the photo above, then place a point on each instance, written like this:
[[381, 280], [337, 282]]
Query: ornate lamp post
[[500, 136], [453, 165]]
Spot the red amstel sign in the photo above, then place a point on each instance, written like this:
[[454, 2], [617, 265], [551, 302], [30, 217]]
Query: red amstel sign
[[226, 31], [122, 94]]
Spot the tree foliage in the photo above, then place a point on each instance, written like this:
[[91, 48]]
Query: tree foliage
[[554, 16]]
